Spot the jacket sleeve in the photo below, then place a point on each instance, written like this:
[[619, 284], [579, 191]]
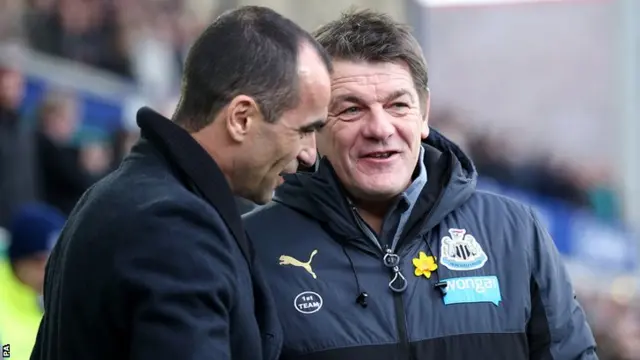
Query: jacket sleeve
[[558, 327], [175, 275]]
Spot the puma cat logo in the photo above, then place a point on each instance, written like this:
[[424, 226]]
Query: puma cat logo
[[288, 260]]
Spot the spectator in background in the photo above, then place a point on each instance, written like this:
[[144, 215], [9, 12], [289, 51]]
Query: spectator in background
[[80, 30], [125, 136], [33, 230], [121, 143], [598, 184], [542, 174], [66, 170], [41, 26], [143, 40], [11, 24], [617, 327], [17, 163], [151, 33]]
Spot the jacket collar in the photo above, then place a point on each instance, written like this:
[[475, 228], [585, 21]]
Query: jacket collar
[[196, 167], [322, 196]]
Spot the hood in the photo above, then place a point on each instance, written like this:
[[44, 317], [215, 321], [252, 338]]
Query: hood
[[451, 181]]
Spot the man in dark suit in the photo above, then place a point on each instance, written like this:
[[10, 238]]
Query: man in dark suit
[[153, 262]]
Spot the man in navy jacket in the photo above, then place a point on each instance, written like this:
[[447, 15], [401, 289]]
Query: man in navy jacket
[[153, 262], [388, 251]]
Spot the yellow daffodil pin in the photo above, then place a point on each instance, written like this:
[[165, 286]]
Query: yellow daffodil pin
[[425, 265]]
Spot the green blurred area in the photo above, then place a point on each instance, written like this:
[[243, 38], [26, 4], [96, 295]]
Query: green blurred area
[[4, 243]]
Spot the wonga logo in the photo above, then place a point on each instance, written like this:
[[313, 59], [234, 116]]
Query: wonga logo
[[473, 289]]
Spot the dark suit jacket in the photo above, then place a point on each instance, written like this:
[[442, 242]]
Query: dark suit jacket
[[154, 264]]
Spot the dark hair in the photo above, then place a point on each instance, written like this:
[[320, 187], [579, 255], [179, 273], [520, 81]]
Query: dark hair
[[252, 51], [365, 35]]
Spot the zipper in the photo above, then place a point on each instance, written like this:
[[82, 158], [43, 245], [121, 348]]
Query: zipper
[[398, 283], [401, 321], [390, 259]]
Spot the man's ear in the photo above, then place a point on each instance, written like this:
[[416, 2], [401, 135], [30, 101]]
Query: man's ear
[[242, 113], [424, 133]]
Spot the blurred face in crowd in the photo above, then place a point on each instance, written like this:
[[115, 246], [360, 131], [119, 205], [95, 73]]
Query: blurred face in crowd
[[270, 149], [59, 119], [11, 88], [375, 128], [77, 15], [30, 271]]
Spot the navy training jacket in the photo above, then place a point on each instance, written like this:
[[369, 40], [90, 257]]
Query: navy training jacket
[[500, 290], [154, 264]]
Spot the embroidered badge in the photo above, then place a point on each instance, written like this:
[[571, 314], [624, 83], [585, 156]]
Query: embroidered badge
[[461, 251]]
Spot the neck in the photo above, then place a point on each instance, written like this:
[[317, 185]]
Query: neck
[[218, 148], [373, 212]]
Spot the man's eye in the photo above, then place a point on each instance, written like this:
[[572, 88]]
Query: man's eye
[[310, 130], [400, 105], [350, 111]]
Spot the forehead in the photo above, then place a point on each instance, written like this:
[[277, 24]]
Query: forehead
[[368, 80], [315, 86]]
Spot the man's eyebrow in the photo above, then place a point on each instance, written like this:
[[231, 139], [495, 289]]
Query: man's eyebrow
[[356, 100], [314, 126], [397, 94], [346, 98]]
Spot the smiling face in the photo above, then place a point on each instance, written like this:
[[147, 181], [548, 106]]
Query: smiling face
[[374, 129], [275, 148]]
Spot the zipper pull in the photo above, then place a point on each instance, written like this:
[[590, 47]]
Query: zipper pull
[[398, 283]]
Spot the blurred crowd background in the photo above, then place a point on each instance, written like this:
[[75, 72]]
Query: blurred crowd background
[[543, 96]]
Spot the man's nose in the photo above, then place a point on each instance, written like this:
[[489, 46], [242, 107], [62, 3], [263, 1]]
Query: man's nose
[[308, 154], [378, 125]]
